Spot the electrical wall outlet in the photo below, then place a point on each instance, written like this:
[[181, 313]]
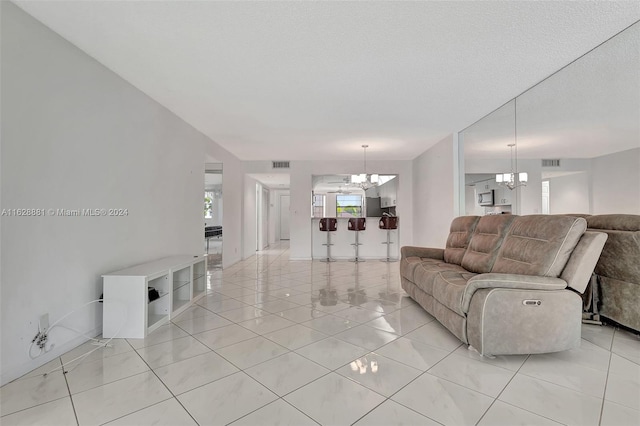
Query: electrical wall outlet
[[44, 322]]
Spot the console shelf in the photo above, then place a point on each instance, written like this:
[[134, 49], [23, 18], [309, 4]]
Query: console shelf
[[127, 310], [199, 278]]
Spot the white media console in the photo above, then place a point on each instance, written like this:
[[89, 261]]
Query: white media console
[[127, 311]]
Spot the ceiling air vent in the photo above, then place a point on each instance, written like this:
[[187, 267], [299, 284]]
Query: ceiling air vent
[[280, 164], [550, 163]]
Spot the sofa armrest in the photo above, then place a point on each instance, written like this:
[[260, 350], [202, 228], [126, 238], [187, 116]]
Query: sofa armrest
[[583, 260], [522, 282], [424, 252]]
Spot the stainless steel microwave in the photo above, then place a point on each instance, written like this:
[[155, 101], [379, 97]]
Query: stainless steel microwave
[[485, 198]]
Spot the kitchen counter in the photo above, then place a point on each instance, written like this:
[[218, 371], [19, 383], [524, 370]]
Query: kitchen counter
[[371, 240]]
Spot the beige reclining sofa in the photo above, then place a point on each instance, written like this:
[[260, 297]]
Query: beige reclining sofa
[[507, 284]]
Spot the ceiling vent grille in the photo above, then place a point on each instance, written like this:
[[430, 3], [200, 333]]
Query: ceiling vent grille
[[550, 163], [280, 165]]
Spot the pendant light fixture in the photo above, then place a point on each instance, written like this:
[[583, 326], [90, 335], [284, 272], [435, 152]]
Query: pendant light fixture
[[513, 179], [364, 180]]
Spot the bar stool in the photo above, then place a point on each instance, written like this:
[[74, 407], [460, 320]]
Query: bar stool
[[328, 225], [389, 223], [357, 224]]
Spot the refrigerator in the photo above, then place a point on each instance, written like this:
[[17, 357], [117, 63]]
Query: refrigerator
[[373, 207]]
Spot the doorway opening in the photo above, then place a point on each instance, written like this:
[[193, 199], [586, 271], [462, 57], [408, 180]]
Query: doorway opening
[[271, 210], [213, 203]]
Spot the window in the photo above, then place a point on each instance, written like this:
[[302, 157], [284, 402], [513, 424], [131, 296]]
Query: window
[[317, 207], [208, 204], [349, 205]]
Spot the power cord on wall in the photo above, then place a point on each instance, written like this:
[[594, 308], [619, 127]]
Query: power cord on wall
[[42, 337]]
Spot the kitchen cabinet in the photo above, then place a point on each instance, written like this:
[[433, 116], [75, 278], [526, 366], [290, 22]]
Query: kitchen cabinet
[[387, 194], [503, 196]]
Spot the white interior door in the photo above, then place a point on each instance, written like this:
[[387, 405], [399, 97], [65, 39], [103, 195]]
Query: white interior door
[[284, 217], [545, 197]]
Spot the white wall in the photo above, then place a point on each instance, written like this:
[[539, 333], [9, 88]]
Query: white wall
[[249, 227], [264, 218], [471, 207], [75, 135], [300, 209], [616, 183], [569, 194], [433, 194], [529, 197]]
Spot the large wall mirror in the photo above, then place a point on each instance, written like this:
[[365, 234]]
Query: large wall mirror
[[339, 196], [576, 135]]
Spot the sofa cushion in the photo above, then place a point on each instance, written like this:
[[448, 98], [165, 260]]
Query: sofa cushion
[[424, 279], [485, 242], [616, 222], [439, 266], [425, 273], [619, 259], [459, 235], [620, 300], [449, 288], [412, 256], [408, 266], [539, 245], [577, 272]]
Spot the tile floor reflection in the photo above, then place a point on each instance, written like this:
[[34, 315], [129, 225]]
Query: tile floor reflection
[[302, 343]]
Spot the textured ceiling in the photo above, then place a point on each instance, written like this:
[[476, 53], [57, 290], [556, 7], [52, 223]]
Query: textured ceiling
[[588, 109], [314, 80]]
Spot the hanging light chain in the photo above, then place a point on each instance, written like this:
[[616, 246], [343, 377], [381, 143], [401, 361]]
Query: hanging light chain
[[365, 158], [515, 135]]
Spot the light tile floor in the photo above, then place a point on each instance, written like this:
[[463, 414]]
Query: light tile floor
[[296, 343]]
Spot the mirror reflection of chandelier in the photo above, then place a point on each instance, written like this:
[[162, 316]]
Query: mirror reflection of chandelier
[[513, 179], [364, 180]]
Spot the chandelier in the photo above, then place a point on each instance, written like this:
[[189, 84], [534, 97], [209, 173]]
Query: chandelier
[[513, 179], [364, 180]]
